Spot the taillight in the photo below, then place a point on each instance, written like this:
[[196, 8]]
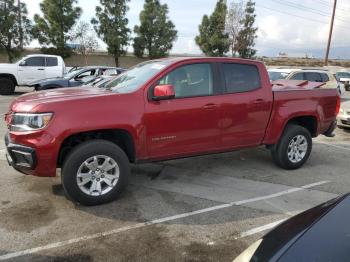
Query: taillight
[[8, 118], [337, 108]]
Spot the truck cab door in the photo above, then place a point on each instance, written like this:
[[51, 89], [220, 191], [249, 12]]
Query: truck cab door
[[246, 105], [189, 123], [31, 69]]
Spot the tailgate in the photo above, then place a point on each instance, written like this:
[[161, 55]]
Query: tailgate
[[286, 85]]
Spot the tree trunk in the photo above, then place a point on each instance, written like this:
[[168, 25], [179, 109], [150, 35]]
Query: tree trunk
[[116, 60]]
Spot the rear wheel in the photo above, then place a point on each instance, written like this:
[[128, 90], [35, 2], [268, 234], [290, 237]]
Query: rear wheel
[[95, 172], [7, 86], [293, 148]]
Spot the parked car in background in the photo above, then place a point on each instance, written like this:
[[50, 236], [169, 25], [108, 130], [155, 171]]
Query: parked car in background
[[28, 69], [280, 73], [160, 110], [343, 117], [319, 234], [323, 76], [70, 69], [99, 81], [76, 77], [344, 78]]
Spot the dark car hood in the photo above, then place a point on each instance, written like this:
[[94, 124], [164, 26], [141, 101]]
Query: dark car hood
[[319, 234], [28, 102], [56, 80]]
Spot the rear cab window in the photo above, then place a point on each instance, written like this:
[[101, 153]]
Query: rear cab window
[[240, 77], [51, 61]]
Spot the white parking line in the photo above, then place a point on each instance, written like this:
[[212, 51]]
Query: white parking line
[[153, 222], [335, 146], [256, 230]]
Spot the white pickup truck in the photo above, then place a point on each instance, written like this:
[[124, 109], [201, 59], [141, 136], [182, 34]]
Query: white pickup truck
[[29, 69]]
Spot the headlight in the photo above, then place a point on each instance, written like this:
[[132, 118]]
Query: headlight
[[341, 111], [22, 122]]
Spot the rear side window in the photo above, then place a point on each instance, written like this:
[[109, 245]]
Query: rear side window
[[313, 77], [51, 61], [297, 76], [325, 78], [35, 61], [241, 78]]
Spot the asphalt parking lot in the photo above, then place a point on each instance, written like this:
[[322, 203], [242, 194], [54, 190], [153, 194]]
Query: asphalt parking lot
[[197, 209]]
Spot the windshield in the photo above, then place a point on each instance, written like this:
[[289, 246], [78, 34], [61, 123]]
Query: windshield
[[132, 79], [72, 74], [277, 75]]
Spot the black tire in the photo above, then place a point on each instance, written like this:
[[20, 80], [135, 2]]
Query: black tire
[[280, 151], [78, 156], [7, 86]]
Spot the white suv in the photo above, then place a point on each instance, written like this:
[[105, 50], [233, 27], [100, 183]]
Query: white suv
[[29, 69]]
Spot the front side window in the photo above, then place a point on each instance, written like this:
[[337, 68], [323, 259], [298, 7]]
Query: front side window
[[190, 80], [241, 78], [297, 76], [35, 61]]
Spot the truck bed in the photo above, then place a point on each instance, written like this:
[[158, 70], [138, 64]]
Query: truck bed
[[294, 98]]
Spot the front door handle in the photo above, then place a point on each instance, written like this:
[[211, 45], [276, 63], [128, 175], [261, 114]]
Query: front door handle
[[258, 101], [210, 106], [41, 69]]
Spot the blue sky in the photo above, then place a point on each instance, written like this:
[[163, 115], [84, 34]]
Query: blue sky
[[296, 27]]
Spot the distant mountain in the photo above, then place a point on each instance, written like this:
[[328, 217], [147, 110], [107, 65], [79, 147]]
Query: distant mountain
[[335, 52]]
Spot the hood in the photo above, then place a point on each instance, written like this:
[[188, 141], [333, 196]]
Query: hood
[[6, 65], [30, 102], [302, 238], [49, 81]]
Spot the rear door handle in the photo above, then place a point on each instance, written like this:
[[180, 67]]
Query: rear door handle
[[210, 106], [41, 69]]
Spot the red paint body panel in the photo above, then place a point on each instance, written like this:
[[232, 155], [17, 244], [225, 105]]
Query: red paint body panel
[[172, 128]]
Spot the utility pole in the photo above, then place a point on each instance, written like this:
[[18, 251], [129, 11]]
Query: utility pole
[[330, 33], [20, 24]]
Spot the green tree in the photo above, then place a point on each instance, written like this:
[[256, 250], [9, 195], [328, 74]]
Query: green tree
[[156, 32], [15, 28], [213, 39], [111, 26], [53, 28], [246, 37]]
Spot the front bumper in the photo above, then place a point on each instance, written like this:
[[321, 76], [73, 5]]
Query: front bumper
[[343, 120], [20, 157]]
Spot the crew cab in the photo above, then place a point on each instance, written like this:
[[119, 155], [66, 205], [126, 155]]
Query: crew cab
[[28, 69], [159, 110]]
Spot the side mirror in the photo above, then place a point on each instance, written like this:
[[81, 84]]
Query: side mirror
[[23, 63], [163, 92]]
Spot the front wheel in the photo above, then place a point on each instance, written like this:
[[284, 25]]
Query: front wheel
[[293, 148], [95, 172], [7, 86]]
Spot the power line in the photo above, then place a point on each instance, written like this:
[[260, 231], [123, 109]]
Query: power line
[[298, 16], [309, 9]]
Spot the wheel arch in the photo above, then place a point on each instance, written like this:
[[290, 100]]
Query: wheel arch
[[120, 137], [11, 77]]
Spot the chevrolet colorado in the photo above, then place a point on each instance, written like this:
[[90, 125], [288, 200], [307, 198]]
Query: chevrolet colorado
[[160, 110]]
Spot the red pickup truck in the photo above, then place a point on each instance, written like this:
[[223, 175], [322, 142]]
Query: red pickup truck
[[159, 110]]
